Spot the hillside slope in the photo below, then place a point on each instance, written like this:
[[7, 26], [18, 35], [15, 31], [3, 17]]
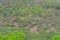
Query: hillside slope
[[35, 15]]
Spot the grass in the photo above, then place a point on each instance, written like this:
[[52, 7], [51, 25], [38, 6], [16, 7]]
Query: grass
[[13, 35], [58, 13], [41, 36]]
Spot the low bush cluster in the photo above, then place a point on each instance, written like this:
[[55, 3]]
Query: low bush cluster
[[56, 37], [16, 35]]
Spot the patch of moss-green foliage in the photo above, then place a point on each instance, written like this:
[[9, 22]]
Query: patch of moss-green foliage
[[16, 35], [56, 37]]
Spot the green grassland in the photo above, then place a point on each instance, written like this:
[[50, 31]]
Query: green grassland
[[26, 14]]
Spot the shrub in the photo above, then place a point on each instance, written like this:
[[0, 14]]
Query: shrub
[[37, 10], [13, 36], [56, 37]]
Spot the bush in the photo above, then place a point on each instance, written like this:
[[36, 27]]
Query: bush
[[13, 36], [56, 37]]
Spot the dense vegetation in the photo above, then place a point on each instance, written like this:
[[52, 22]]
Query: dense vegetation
[[16, 35], [56, 37], [28, 14]]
